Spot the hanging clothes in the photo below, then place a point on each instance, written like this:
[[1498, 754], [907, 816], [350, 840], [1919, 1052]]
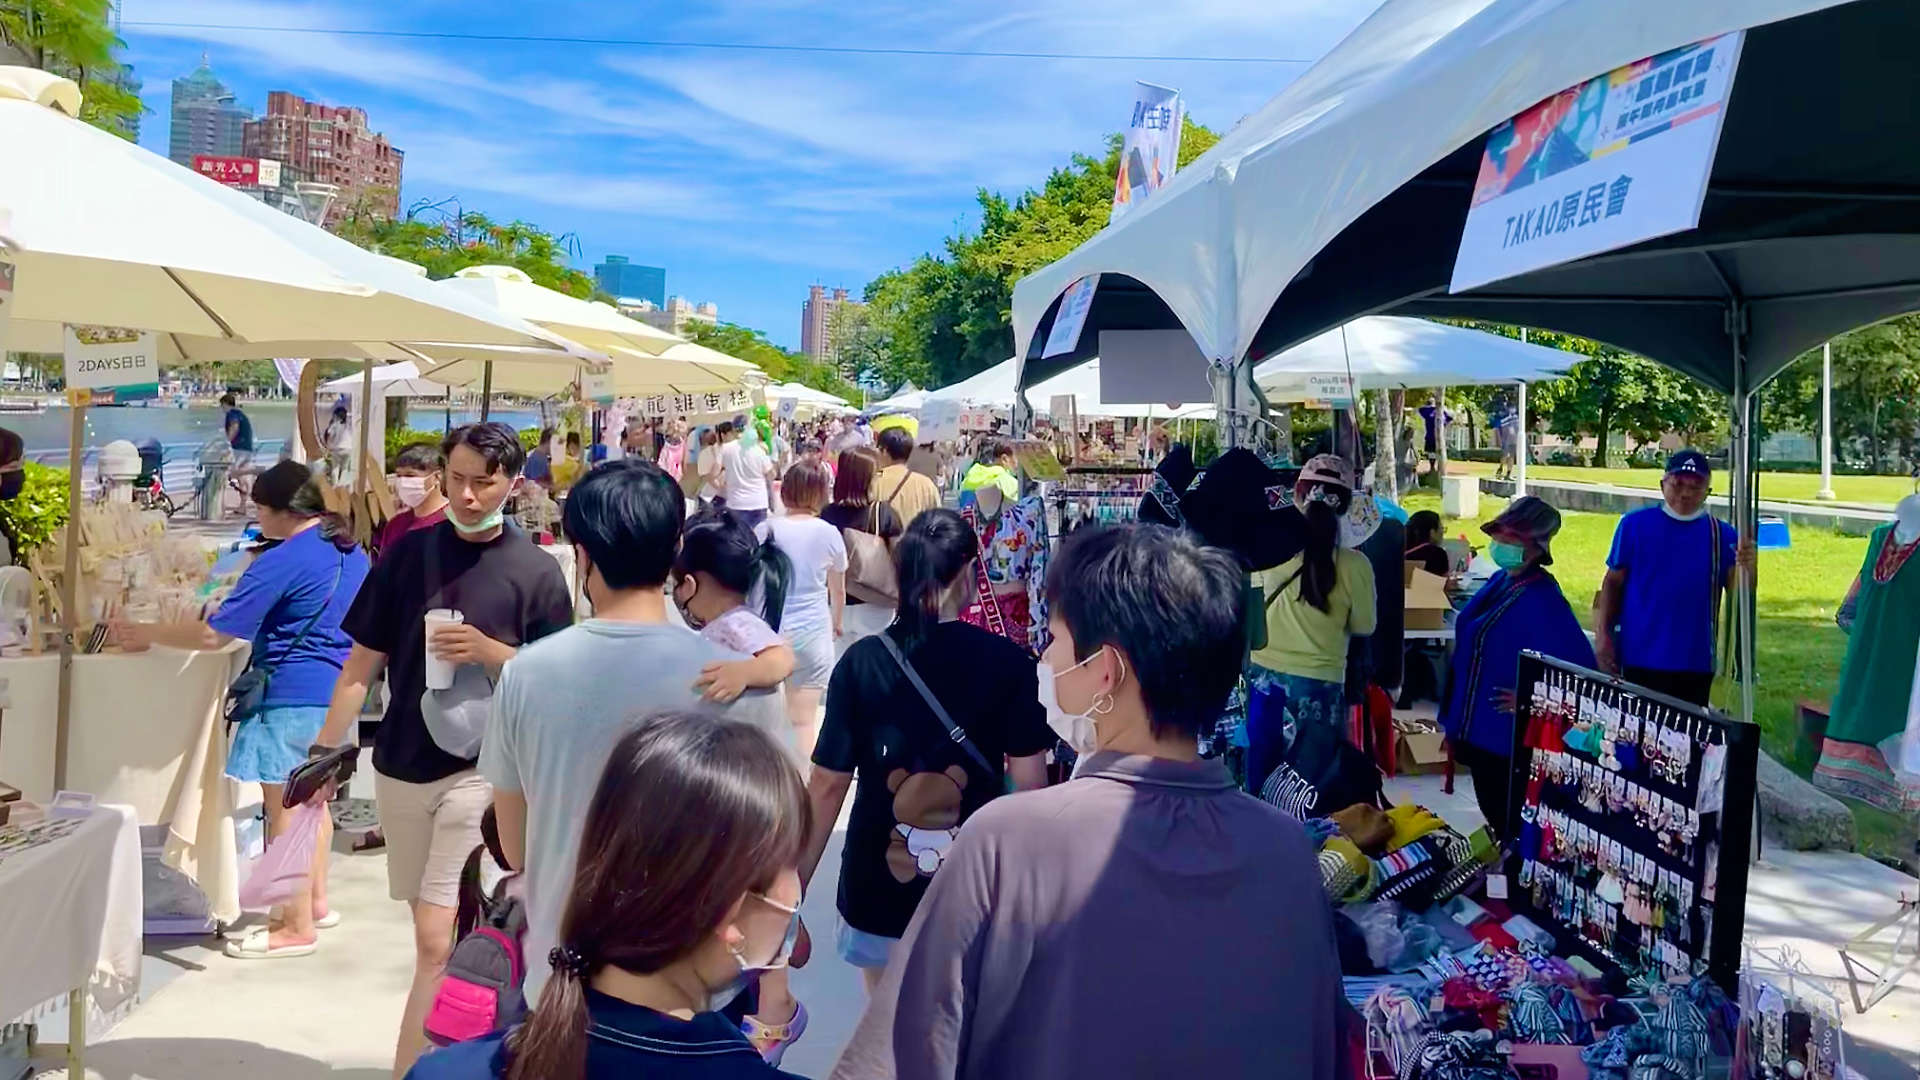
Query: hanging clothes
[[1874, 699], [1013, 551]]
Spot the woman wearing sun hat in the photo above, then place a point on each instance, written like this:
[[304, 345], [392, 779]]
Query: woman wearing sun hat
[[1520, 607]]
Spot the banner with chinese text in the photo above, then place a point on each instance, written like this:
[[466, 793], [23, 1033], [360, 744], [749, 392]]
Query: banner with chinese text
[[1151, 149], [1064, 336], [1619, 159], [112, 357], [712, 405]]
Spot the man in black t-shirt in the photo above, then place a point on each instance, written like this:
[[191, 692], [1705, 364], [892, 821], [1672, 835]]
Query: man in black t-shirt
[[916, 784], [509, 593]]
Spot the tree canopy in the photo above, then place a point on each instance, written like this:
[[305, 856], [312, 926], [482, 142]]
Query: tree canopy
[[948, 315], [447, 246], [74, 39], [779, 364]]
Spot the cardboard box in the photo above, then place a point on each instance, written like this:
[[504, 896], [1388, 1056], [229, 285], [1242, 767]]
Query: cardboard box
[[1418, 751], [1427, 604]]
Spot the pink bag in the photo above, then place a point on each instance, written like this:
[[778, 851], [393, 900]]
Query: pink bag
[[287, 862]]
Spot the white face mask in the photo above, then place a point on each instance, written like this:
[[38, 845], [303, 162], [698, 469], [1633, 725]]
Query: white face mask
[[1678, 516], [1078, 730], [719, 997], [410, 490]]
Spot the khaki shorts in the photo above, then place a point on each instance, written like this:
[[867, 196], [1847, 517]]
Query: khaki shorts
[[430, 831]]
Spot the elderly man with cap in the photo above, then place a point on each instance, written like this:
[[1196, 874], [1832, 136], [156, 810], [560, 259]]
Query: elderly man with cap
[[1659, 606], [1520, 607]]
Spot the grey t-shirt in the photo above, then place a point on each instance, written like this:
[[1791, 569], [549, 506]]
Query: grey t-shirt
[[560, 706]]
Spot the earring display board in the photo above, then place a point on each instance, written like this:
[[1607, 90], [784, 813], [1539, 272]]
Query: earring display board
[[1634, 815], [1102, 495]]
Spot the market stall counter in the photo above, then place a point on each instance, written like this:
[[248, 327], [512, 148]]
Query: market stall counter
[[146, 732]]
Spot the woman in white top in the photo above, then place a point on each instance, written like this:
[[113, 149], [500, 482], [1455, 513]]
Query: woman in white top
[[816, 596]]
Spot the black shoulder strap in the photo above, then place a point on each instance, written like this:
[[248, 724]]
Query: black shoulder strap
[[954, 731]]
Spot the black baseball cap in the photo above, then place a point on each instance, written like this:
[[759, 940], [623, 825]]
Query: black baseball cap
[[1690, 462]]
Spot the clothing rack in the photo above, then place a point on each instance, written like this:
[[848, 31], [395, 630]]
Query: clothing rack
[[1099, 494]]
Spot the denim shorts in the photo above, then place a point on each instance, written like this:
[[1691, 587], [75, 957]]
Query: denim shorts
[[272, 744], [861, 949]]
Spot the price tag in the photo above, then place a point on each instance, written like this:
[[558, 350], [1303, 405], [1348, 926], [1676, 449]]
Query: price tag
[[1496, 886]]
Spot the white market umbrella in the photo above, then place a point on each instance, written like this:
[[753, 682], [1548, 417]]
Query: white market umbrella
[[390, 380], [1394, 352], [107, 233], [592, 324], [805, 395], [685, 368]]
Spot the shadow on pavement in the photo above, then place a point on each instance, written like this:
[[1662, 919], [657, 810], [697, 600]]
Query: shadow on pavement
[[198, 1059]]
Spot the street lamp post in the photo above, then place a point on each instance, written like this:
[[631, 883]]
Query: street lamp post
[[1826, 423]]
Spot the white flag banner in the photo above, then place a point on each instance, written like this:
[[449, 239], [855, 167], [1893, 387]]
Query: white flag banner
[[290, 372], [1151, 150], [111, 357], [1621, 158]]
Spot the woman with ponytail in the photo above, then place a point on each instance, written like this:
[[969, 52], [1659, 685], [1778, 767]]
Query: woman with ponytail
[[1315, 602], [289, 604], [687, 888], [894, 705]]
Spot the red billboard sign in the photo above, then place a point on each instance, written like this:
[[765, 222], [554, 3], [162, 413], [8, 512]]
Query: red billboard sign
[[228, 170]]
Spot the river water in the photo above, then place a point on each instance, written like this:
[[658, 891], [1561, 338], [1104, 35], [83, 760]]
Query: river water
[[183, 431]]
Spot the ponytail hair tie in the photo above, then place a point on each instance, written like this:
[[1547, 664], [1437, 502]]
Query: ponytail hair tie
[[566, 960]]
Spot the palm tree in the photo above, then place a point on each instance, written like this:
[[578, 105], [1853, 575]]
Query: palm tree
[[74, 38]]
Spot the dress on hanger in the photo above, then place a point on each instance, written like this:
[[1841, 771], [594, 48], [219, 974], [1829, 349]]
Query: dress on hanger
[[1873, 702], [1013, 550]]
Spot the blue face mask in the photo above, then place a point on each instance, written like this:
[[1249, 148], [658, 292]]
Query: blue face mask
[[1507, 556]]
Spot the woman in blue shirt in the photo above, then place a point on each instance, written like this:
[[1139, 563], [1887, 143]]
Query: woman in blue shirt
[[688, 887], [1520, 607], [289, 604]]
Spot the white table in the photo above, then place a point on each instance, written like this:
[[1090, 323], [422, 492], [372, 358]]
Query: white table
[[71, 932], [145, 731]]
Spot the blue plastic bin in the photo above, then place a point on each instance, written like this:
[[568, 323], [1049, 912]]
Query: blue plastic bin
[[1773, 533]]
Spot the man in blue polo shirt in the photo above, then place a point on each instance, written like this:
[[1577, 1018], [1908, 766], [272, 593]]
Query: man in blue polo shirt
[[1659, 604]]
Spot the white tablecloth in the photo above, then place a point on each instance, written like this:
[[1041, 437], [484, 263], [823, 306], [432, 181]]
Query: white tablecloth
[[146, 731], [70, 918]]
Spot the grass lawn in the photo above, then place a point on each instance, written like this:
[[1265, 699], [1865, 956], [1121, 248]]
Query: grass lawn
[[1799, 649], [1785, 487]]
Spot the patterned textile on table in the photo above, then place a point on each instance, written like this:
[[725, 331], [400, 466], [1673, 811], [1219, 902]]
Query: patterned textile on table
[[1873, 705]]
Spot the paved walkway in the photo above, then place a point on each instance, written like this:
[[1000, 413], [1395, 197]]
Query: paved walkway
[[334, 1015]]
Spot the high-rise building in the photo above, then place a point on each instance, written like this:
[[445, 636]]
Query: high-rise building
[[329, 144], [631, 281], [677, 317], [205, 117], [816, 320]]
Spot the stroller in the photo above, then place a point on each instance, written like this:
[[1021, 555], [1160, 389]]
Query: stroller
[[149, 488]]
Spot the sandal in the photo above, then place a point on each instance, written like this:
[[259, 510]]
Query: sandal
[[328, 921], [254, 947], [772, 1040], [371, 840]]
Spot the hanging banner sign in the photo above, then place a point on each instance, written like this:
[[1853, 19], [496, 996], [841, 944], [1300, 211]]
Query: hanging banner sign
[[789, 408], [112, 357], [1332, 391], [289, 372], [597, 389], [6, 303], [1619, 159], [1151, 150], [940, 420], [1072, 316], [237, 171], [717, 403]]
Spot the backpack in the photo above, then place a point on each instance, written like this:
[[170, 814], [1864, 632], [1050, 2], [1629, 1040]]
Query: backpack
[[483, 989]]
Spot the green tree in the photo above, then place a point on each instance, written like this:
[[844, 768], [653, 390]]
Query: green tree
[[447, 246], [780, 365], [1876, 394], [946, 316], [74, 39]]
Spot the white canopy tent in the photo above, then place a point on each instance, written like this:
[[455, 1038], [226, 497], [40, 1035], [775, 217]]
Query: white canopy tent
[[1214, 249], [1395, 352], [391, 380], [807, 401], [909, 399]]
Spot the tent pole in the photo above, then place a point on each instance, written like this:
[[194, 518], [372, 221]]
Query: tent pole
[[69, 586], [486, 391], [1520, 445], [1826, 423], [1744, 520]]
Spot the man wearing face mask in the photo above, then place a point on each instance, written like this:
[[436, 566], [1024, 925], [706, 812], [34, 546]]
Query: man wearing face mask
[[416, 486], [1146, 918], [13, 476], [562, 703], [508, 593], [1658, 613]]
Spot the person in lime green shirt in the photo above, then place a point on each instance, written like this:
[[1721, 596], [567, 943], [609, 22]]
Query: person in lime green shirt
[[1315, 602], [568, 470]]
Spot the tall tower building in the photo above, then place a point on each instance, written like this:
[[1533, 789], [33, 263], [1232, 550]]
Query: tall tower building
[[816, 320], [205, 118]]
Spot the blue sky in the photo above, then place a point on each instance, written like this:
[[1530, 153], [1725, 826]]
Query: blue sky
[[747, 174]]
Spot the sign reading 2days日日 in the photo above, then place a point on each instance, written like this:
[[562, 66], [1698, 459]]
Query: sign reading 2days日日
[[1619, 159], [112, 357]]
